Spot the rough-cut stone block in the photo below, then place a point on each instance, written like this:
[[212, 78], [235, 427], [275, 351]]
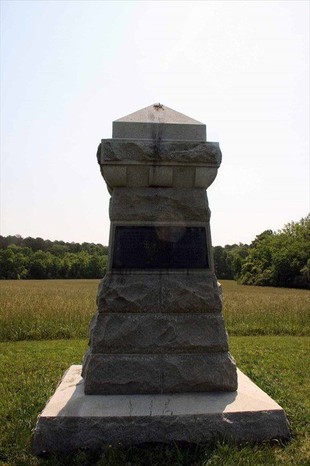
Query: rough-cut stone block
[[158, 333], [197, 292], [159, 292], [177, 152], [134, 163], [72, 420], [129, 293], [144, 373], [121, 374], [198, 373], [159, 205]]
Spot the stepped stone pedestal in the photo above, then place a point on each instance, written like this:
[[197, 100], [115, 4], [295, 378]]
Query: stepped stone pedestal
[[159, 327], [158, 337]]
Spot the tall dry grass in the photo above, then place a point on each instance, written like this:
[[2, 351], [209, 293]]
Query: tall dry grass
[[54, 309], [46, 309], [255, 310]]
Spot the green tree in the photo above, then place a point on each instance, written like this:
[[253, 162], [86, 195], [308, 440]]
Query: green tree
[[279, 258], [221, 263], [40, 264]]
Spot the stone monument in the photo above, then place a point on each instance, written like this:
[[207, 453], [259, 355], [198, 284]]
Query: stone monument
[[159, 326], [158, 367]]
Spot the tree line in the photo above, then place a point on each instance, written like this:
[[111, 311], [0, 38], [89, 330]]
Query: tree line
[[36, 258], [279, 258]]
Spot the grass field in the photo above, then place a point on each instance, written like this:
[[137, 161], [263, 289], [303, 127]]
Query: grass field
[[56, 309], [270, 341]]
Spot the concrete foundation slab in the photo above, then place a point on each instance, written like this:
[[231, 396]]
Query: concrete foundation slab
[[72, 420]]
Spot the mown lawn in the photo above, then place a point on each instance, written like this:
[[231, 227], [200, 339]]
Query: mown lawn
[[268, 329]]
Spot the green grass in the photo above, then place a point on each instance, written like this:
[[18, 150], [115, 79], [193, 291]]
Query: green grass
[[267, 327], [56, 309]]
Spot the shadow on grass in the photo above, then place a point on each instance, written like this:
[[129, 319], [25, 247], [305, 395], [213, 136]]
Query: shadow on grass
[[215, 453], [151, 454]]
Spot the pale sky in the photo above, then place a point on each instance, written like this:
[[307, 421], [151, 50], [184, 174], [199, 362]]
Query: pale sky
[[69, 68]]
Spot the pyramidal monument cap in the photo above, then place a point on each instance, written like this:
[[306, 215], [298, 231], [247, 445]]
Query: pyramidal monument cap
[[158, 122]]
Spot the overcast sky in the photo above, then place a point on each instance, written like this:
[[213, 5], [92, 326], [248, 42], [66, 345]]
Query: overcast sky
[[69, 68]]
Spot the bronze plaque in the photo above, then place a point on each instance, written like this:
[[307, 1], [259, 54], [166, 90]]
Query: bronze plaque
[[159, 247]]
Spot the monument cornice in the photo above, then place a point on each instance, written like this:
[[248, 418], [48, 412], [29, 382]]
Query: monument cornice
[[159, 152]]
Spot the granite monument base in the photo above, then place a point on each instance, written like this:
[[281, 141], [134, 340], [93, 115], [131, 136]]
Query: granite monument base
[[72, 420]]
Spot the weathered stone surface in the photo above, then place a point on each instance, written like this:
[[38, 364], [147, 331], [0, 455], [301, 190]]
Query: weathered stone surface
[[159, 292], [72, 420], [128, 175], [136, 175], [129, 293], [158, 373], [160, 176], [176, 152], [204, 177], [196, 292], [121, 374], [159, 205], [198, 373], [158, 333], [184, 177]]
